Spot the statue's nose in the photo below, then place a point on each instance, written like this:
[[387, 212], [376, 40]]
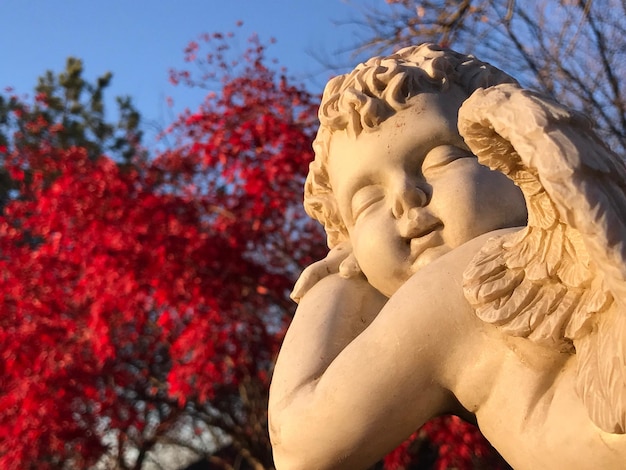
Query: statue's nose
[[407, 199]]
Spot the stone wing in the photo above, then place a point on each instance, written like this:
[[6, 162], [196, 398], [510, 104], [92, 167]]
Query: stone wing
[[561, 280]]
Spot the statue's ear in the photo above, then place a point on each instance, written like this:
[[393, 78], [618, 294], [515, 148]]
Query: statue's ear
[[349, 267]]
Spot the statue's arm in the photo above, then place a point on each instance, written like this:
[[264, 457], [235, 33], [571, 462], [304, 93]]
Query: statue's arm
[[350, 384]]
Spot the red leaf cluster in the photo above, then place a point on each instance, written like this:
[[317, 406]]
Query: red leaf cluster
[[242, 158], [445, 443]]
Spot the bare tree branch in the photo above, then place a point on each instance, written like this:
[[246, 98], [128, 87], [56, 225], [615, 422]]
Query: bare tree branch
[[572, 50]]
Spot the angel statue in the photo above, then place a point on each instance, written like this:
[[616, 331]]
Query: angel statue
[[476, 268]]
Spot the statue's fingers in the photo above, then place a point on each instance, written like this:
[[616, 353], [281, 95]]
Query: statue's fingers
[[349, 267], [311, 275], [332, 264]]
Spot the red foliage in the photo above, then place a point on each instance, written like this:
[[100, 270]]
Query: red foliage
[[242, 157], [445, 443], [135, 294]]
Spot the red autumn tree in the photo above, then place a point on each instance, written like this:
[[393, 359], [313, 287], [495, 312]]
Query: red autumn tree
[[243, 155], [145, 296], [144, 299]]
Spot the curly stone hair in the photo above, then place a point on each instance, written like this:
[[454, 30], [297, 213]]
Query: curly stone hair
[[375, 90]]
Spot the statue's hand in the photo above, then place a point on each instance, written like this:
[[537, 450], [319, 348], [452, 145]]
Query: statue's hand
[[339, 259]]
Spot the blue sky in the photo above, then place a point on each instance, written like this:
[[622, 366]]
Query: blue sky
[[139, 40]]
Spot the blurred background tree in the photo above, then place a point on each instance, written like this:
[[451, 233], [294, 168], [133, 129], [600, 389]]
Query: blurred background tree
[[572, 50], [66, 111], [144, 297], [74, 110]]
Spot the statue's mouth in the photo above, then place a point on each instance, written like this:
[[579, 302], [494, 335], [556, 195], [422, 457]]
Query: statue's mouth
[[428, 237]]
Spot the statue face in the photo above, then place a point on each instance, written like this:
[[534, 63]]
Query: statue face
[[411, 191]]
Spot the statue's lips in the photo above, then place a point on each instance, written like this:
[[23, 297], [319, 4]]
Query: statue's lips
[[428, 238]]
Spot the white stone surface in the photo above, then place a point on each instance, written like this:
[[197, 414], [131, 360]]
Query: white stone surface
[[439, 293]]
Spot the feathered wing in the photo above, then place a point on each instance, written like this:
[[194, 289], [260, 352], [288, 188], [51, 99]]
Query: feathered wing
[[561, 280]]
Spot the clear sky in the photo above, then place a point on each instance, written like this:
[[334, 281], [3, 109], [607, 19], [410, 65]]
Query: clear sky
[[139, 40]]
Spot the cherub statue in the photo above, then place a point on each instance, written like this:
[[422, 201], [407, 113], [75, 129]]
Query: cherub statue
[[448, 288]]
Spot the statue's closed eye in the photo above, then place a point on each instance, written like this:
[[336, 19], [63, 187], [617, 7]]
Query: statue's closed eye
[[365, 198], [443, 155]]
